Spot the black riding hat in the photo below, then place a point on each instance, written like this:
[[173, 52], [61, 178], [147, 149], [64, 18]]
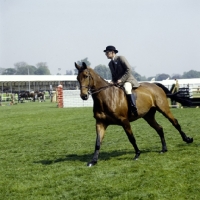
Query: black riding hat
[[111, 48]]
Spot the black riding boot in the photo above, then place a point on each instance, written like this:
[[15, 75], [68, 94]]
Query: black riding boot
[[132, 103]]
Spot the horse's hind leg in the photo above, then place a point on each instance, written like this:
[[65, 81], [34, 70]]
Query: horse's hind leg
[[127, 128], [150, 118], [167, 113]]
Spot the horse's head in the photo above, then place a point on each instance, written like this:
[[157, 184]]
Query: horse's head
[[85, 80]]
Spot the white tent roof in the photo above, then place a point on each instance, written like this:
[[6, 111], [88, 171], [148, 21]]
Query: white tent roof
[[36, 78], [42, 78]]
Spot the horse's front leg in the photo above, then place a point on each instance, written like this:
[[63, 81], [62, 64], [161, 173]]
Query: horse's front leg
[[100, 131]]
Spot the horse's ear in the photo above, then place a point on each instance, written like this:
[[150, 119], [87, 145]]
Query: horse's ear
[[84, 65], [77, 66]]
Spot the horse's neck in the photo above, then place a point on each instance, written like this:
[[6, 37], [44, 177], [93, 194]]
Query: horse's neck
[[99, 82]]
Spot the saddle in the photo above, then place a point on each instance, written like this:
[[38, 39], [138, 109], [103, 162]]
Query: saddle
[[133, 90], [131, 99]]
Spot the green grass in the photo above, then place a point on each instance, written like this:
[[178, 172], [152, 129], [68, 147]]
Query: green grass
[[45, 149]]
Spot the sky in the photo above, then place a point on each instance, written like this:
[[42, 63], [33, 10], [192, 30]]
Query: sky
[[155, 36]]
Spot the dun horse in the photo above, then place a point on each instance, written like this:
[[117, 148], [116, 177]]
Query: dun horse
[[111, 108]]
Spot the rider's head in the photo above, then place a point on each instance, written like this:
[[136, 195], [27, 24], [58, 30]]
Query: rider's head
[[110, 52]]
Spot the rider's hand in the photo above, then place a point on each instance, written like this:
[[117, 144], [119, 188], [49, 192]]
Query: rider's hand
[[119, 81]]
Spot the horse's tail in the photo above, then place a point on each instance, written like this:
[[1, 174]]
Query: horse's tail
[[176, 96]]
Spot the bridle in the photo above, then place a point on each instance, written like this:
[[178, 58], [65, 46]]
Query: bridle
[[88, 87], [94, 91]]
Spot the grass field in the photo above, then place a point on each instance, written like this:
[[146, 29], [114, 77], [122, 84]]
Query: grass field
[[44, 152]]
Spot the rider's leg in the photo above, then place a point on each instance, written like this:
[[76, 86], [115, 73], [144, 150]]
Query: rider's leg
[[130, 97]]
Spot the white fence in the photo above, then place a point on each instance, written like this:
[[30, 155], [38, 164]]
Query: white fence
[[71, 98]]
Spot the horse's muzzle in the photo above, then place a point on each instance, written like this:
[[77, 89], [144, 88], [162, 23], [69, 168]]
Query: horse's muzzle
[[85, 96]]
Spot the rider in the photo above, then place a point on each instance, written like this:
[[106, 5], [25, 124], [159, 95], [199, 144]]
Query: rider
[[121, 74]]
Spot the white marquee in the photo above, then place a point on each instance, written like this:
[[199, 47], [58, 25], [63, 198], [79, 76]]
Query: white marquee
[[36, 78]]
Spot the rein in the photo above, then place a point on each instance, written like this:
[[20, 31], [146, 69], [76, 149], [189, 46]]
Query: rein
[[94, 91], [99, 89]]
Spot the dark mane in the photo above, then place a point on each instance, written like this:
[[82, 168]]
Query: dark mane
[[90, 69], [100, 76]]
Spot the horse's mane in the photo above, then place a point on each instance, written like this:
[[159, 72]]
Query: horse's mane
[[93, 71]]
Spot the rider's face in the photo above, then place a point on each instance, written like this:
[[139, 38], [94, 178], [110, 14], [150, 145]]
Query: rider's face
[[110, 54]]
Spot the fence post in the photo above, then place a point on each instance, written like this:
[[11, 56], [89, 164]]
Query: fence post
[[60, 96]]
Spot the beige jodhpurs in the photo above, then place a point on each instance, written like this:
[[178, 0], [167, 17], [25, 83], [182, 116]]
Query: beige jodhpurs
[[128, 87]]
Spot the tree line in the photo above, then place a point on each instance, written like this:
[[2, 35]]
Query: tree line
[[22, 68], [41, 68], [104, 72]]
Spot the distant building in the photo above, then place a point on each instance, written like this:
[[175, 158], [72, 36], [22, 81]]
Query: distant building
[[10, 83]]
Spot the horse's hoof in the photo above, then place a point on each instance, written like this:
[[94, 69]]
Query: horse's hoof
[[136, 156], [92, 163], [89, 164], [189, 140], [163, 151]]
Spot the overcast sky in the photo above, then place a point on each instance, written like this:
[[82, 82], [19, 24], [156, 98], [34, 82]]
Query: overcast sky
[[156, 36]]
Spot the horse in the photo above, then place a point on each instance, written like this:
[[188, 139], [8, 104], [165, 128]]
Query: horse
[[110, 107], [26, 95], [40, 95]]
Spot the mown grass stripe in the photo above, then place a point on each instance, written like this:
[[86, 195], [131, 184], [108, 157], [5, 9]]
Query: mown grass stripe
[[44, 151]]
